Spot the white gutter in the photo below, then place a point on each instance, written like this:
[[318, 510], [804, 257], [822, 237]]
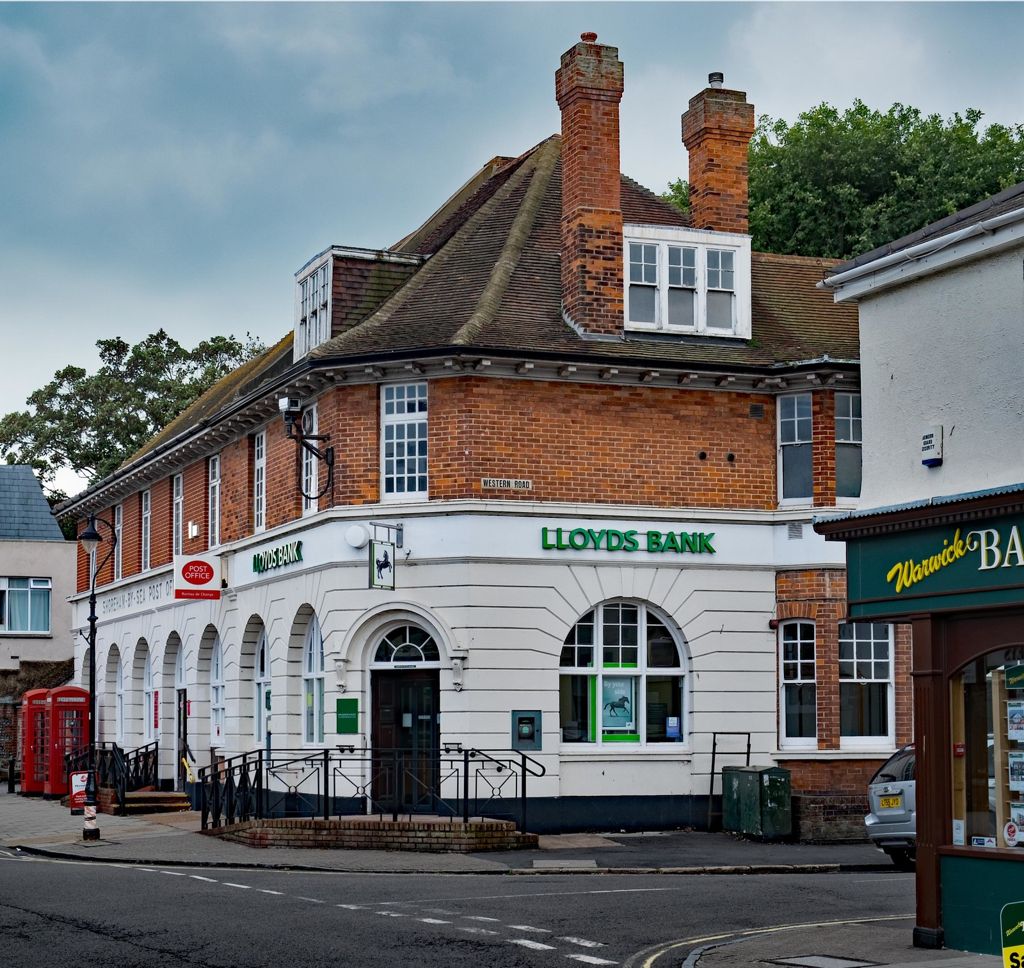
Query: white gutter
[[916, 253]]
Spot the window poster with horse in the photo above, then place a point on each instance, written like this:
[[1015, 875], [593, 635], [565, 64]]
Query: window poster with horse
[[382, 564], [618, 703]]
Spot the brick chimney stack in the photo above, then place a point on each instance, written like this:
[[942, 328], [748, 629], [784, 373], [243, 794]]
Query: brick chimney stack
[[717, 128], [588, 88]]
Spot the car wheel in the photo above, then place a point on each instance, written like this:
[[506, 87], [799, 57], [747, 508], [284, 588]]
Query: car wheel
[[903, 858]]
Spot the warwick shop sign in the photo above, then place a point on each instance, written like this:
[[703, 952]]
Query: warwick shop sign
[[981, 563], [286, 554], [611, 539]]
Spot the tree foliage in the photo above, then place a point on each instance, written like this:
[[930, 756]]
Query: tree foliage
[[678, 194], [840, 183], [91, 423]]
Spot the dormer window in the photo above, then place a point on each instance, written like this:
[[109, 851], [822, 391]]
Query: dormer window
[[687, 281], [313, 325]]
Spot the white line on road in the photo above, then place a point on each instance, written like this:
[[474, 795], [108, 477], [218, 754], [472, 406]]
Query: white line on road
[[591, 960], [433, 921], [352, 907], [197, 877], [243, 887], [312, 900], [478, 917], [173, 873], [475, 930], [583, 942], [529, 927], [535, 945], [391, 914], [264, 890]]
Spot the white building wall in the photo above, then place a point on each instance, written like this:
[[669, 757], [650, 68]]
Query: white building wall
[[918, 338]]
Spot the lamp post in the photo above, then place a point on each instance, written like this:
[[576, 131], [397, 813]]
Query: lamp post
[[91, 540]]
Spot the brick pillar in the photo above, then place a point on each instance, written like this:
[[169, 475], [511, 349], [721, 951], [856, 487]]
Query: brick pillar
[[717, 128], [588, 88], [823, 446]]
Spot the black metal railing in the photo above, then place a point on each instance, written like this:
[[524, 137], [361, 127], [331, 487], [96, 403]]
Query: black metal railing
[[458, 783], [119, 770]]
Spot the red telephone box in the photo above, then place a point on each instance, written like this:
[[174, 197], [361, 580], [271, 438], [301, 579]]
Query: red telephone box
[[34, 761], [67, 716]]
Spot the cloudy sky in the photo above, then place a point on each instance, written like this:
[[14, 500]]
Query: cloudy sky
[[173, 164]]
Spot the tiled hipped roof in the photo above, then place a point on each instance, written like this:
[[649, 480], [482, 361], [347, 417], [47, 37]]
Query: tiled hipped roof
[[24, 512], [492, 283]]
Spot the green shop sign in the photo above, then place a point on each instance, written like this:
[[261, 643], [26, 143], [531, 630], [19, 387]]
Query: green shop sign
[[286, 554], [609, 539], [936, 569]]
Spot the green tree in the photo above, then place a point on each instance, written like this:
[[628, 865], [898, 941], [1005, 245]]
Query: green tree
[[678, 194], [840, 183], [91, 423]]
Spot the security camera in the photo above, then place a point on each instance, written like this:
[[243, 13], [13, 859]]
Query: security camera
[[289, 406]]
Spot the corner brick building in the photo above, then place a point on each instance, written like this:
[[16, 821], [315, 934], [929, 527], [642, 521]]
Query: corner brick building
[[604, 428]]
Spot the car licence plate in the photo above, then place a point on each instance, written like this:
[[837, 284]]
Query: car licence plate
[[888, 803]]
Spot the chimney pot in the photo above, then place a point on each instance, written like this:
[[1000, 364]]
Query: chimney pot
[[588, 37], [716, 79]]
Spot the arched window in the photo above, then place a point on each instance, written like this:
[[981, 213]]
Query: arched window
[[148, 712], [261, 721], [798, 685], [622, 678], [217, 694], [407, 643], [313, 684], [179, 669]]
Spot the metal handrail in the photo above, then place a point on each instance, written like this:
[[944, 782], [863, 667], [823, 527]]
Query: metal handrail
[[336, 782], [120, 771]]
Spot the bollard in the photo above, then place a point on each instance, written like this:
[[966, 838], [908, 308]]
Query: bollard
[[10, 775], [89, 829]]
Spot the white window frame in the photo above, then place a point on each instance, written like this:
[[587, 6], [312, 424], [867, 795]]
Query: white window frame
[[310, 465], [119, 702], [791, 673], [780, 420], [259, 481], [32, 587], [849, 432], [118, 543], [640, 673], [213, 508], [262, 691], [869, 742], [146, 519], [313, 307], [313, 685], [702, 241], [217, 701], [149, 733], [394, 420], [177, 514]]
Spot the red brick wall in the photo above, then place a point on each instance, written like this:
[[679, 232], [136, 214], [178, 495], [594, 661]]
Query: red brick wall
[[588, 87], [160, 544], [823, 446], [282, 469], [236, 490], [195, 509], [629, 445], [131, 535], [351, 416], [717, 129]]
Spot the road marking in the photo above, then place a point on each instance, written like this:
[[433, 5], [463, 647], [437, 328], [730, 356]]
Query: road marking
[[173, 873], [433, 921], [352, 907], [528, 943], [583, 942], [527, 927], [264, 890], [654, 952], [591, 960], [431, 910], [478, 917], [474, 930], [197, 877], [312, 900], [391, 914], [243, 887]]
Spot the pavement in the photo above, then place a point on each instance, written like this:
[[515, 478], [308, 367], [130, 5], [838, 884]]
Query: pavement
[[45, 828]]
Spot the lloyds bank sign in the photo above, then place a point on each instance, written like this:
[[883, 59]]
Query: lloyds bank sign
[[611, 539]]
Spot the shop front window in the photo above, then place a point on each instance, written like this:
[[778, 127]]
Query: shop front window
[[987, 734], [621, 679]]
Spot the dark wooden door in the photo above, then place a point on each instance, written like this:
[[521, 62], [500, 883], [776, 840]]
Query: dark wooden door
[[181, 750], [406, 739]]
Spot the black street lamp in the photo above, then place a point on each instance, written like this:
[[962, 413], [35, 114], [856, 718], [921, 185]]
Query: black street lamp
[[91, 540]]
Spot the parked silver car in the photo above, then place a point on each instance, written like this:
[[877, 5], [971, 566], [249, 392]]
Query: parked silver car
[[892, 823]]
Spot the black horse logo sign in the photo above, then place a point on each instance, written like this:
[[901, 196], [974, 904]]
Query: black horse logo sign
[[615, 706], [383, 565]]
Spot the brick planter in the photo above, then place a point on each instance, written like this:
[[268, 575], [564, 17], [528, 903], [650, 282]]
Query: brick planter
[[431, 836]]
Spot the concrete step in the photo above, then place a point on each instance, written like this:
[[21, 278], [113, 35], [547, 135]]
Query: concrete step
[[146, 801]]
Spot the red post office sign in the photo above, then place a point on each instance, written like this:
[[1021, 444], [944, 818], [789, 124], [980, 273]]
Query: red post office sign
[[197, 576]]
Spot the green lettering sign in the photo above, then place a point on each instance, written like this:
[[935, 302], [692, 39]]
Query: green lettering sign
[[610, 539], [286, 554], [347, 711]]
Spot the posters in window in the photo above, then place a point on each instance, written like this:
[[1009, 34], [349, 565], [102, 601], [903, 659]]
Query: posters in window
[[618, 702], [1016, 772], [1017, 813], [1015, 719]]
